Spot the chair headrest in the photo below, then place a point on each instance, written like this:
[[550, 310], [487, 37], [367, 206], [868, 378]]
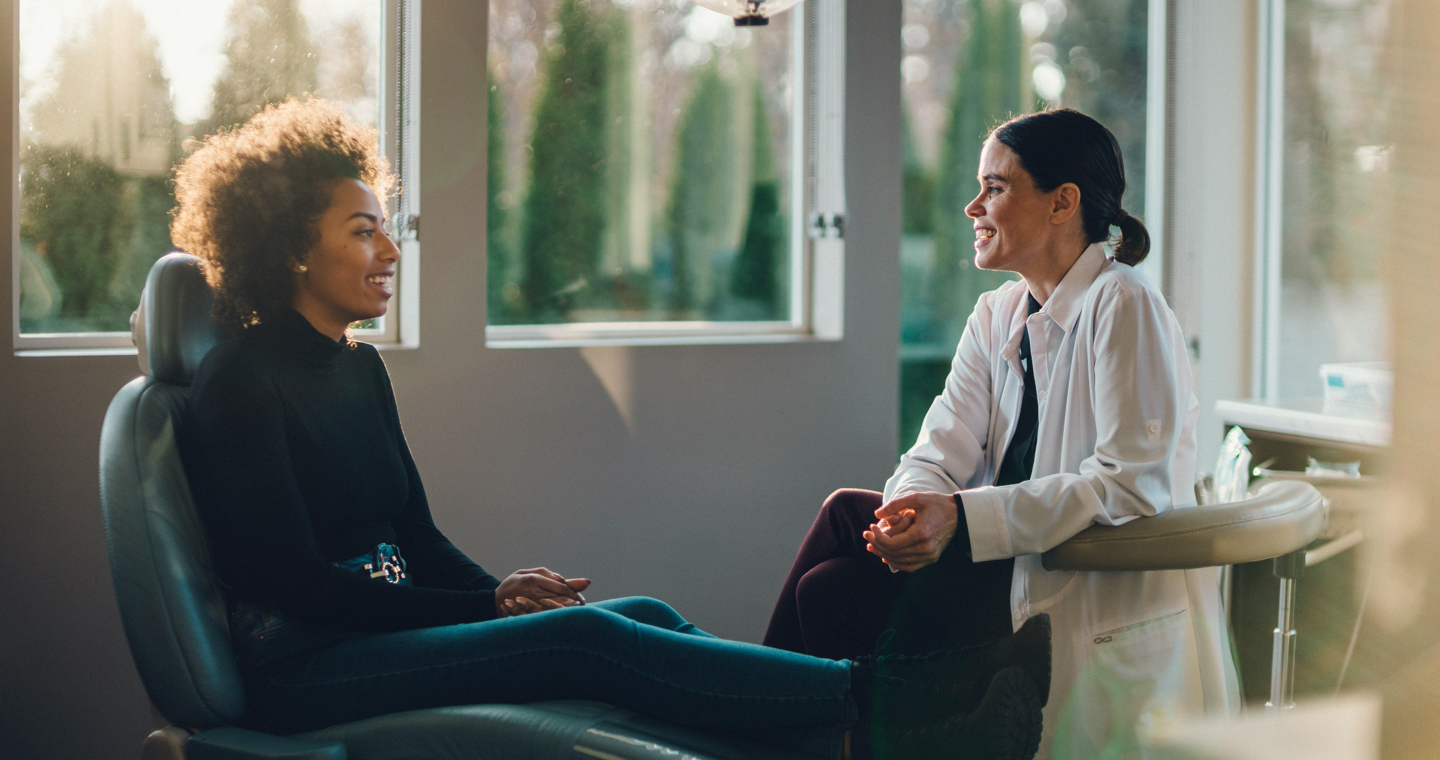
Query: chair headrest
[[172, 327]]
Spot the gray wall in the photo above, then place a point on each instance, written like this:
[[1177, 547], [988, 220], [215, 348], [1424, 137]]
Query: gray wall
[[525, 456]]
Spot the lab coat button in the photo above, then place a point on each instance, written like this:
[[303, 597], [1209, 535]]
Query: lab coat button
[[1019, 616]]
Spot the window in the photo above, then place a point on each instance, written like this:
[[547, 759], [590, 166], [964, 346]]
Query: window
[[644, 165], [112, 95], [969, 65], [1326, 152]]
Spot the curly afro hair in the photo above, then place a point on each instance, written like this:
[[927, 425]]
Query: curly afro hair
[[248, 200]]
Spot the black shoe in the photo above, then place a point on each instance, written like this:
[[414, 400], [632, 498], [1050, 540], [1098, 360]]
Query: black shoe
[[1006, 725], [1028, 649]]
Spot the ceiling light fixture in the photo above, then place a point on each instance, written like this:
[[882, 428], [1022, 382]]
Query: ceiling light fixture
[[749, 12]]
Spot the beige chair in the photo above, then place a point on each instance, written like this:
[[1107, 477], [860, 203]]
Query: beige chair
[[1277, 523]]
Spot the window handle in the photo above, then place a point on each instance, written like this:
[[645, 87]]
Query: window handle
[[826, 225]]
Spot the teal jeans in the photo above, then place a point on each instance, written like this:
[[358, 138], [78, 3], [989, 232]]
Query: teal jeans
[[635, 653]]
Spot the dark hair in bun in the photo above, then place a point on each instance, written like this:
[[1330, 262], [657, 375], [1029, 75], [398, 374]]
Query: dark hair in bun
[[1064, 145]]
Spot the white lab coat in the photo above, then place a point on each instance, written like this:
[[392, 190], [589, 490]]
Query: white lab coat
[[1116, 442]]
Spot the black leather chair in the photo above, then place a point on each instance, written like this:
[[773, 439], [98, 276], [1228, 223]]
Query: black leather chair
[[174, 611]]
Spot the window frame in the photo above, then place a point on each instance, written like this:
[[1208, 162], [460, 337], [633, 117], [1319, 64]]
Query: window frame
[[1159, 73], [816, 231], [399, 130], [1269, 197]]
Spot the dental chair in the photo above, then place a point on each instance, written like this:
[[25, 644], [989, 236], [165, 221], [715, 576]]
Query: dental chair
[[1277, 523], [174, 611]]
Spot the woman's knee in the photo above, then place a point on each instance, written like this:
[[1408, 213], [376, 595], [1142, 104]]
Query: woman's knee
[[853, 500], [643, 609]]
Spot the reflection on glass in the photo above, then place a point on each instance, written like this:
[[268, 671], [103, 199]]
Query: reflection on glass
[[639, 163], [113, 93], [1336, 154], [969, 65]]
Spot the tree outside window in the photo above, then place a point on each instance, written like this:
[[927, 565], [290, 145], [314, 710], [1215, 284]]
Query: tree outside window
[[104, 119], [639, 155]]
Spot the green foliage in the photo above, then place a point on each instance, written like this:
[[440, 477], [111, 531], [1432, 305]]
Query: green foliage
[[762, 153], [1104, 44], [95, 231], [565, 208], [268, 56], [990, 88], [753, 275], [627, 177], [702, 195], [72, 214], [148, 204], [497, 253], [918, 206]]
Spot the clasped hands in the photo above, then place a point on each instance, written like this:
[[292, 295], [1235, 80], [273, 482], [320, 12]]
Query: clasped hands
[[537, 590], [911, 531]]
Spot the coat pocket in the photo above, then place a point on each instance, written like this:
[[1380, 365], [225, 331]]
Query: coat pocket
[[1139, 676]]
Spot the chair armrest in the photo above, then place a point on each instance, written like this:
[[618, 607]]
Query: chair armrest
[[1282, 518], [229, 743]]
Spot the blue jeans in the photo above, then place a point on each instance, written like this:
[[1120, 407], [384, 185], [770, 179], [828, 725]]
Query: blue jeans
[[635, 653]]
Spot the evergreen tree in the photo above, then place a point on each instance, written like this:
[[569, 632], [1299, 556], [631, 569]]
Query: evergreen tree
[[146, 202], [268, 56], [497, 254], [918, 185], [95, 197], [753, 276], [989, 88], [1104, 46], [702, 196], [565, 209], [72, 213], [627, 179]]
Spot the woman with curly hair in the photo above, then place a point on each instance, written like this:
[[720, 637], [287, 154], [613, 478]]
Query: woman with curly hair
[[300, 471]]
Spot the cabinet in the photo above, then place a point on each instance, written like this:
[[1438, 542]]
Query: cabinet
[[1284, 435]]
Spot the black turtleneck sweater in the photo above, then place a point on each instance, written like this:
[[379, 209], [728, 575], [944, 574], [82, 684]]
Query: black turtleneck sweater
[[292, 445]]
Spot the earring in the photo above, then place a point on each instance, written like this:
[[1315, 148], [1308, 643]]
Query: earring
[[301, 268]]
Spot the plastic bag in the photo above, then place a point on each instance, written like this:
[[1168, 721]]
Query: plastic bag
[[1232, 469]]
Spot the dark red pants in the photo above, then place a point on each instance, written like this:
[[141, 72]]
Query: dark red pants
[[839, 598]]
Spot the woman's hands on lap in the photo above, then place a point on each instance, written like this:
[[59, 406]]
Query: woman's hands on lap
[[537, 590], [913, 530]]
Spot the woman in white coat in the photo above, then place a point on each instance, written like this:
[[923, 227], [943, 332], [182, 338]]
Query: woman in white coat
[[1069, 404]]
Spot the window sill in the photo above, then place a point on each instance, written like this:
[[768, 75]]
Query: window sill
[[48, 352], [75, 352], [648, 334]]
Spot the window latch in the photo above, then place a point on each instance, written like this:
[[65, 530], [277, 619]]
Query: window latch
[[826, 225], [408, 227]]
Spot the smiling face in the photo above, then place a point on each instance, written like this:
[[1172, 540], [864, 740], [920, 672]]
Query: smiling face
[[1020, 228], [350, 273], [1011, 215]]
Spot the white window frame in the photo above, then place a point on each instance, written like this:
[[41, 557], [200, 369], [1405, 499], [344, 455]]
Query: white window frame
[[399, 141], [1158, 72], [1269, 197], [817, 200]]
